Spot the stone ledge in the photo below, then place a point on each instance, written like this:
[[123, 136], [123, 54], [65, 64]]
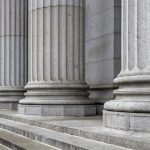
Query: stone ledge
[[57, 110]]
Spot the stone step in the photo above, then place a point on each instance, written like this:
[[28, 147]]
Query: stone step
[[47, 124], [2, 147], [61, 140], [86, 129], [15, 141]]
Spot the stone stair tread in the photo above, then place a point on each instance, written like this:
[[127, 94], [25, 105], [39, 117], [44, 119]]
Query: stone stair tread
[[57, 136], [22, 142], [2, 147]]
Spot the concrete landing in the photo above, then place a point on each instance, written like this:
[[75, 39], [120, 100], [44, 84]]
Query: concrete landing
[[82, 127]]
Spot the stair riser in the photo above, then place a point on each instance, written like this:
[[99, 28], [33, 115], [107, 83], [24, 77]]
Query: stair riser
[[39, 138], [10, 145]]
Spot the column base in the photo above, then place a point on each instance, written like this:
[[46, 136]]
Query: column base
[[139, 122], [10, 96], [57, 110]]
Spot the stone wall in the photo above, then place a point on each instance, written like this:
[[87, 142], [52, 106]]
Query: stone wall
[[103, 38]]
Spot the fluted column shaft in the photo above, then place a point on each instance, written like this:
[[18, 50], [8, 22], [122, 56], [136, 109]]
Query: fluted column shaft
[[13, 51], [56, 53], [133, 95]]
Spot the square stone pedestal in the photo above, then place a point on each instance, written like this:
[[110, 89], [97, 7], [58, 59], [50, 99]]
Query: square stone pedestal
[[57, 110], [138, 122]]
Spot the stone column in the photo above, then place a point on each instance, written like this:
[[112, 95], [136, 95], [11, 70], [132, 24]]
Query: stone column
[[13, 50], [56, 83], [131, 108]]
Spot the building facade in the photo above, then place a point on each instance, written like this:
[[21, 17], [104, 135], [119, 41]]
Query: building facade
[[78, 58]]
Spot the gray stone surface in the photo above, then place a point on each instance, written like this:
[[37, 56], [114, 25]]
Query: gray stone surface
[[103, 47]]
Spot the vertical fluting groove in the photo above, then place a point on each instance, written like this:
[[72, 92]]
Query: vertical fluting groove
[[70, 42], [5, 43], [15, 33], [40, 41], [1, 40], [135, 45], [59, 34], [33, 40], [26, 41], [76, 43], [3, 47], [123, 60], [72, 53], [16, 42], [22, 44], [26, 66], [51, 69], [54, 50], [135, 36], [127, 35], [46, 40], [34, 34], [11, 63], [83, 40], [62, 43], [50, 41], [81, 45], [30, 41], [10, 37]]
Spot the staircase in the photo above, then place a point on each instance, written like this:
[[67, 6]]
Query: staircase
[[21, 134]]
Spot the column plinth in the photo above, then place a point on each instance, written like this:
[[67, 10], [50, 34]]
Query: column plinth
[[56, 83], [13, 52], [131, 107]]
